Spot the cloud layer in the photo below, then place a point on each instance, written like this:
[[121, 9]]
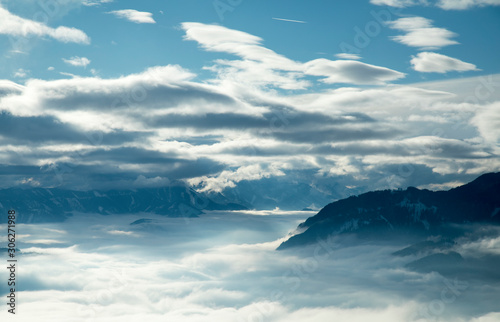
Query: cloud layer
[[260, 120], [224, 267]]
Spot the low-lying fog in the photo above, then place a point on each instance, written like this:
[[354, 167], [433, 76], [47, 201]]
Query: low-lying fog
[[224, 267]]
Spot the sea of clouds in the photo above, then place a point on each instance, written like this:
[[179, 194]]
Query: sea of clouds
[[224, 267]]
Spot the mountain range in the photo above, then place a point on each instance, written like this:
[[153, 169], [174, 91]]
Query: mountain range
[[38, 205], [386, 214]]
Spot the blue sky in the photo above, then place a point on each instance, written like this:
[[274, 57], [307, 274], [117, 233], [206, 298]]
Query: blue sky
[[120, 47], [350, 95]]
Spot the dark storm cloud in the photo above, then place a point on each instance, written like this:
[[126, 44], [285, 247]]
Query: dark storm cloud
[[38, 129]]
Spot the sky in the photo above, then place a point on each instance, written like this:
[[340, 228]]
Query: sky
[[361, 95]]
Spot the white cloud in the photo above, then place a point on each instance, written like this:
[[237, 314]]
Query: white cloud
[[77, 61], [487, 120], [50, 68], [348, 56], [399, 3], [263, 67], [91, 3], [229, 178], [242, 129], [443, 4], [350, 71], [134, 15], [16, 26], [21, 73], [224, 267], [466, 4], [420, 33], [428, 62]]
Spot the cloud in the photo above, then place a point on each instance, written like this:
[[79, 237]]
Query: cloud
[[262, 67], [428, 62], [443, 4], [420, 33], [37, 129], [163, 123], [77, 61], [224, 267], [351, 72], [21, 73], [348, 56], [91, 3], [487, 120], [466, 4], [399, 3], [134, 15], [16, 26], [9, 87], [229, 178]]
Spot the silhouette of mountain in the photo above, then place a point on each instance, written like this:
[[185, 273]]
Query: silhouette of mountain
[[52, 205], [389, 213]]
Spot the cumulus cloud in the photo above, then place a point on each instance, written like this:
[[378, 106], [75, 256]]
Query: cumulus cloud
[[77, 61], [421, 33], [134, 15], [16, 26], [428, 62]]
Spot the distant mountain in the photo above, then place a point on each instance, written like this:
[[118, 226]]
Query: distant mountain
[[287, 192], [52, 205], [389, 213]]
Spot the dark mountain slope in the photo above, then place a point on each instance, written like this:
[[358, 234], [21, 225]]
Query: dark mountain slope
[[50, 205], [388, 213]]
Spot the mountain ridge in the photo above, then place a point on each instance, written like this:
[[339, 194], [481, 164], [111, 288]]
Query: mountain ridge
[[53, 204], [391, 212]]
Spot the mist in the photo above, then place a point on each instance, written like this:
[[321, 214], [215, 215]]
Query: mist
[[224, 266]]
